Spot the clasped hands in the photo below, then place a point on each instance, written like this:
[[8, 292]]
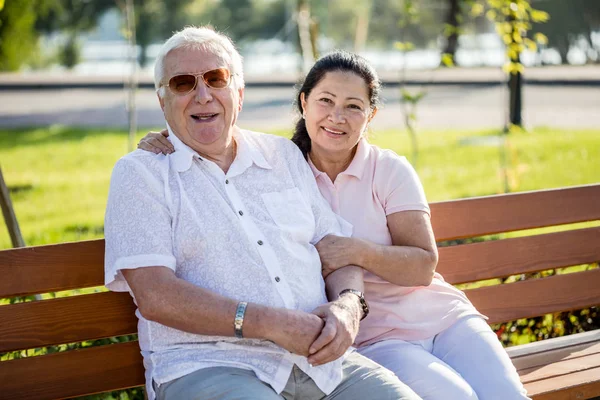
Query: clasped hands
[[323, 335]]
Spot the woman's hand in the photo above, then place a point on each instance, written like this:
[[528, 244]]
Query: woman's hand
[[156, 142], [337, 252]]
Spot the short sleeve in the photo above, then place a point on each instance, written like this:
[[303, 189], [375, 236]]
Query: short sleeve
[[137, 223], [398, 185]]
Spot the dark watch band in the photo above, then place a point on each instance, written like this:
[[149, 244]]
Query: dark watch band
[[361, 298]]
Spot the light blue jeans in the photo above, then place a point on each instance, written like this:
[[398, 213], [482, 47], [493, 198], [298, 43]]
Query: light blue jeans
[[466, 361]]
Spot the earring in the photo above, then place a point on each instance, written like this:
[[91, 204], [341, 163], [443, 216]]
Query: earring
[[303, 115]]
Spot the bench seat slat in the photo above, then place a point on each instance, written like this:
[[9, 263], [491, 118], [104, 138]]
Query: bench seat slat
[[539, 359], [537, 297], [575, 386], [501, 258], [493, 214], [73, 373], [66, 320], [560, 368], [43, 269]]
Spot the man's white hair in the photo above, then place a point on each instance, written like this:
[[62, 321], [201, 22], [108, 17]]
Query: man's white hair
[[204, 38]]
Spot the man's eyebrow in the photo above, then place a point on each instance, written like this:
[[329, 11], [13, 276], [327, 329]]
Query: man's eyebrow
[[349, 98]]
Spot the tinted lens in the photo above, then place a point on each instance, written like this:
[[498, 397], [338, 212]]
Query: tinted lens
[[182, 83], [217, 78]]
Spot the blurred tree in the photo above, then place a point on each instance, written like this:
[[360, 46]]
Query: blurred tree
[[18, 36], [571, 21]]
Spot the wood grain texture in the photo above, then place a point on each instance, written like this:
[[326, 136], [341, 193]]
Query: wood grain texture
[[503, 213], [72, 373], [42, 269], [536, 360], [536, 297], [576, 386], [501, 258], [560, 368], [66, 320]]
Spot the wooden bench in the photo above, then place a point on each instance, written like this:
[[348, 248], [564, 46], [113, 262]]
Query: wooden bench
[[562, 368]]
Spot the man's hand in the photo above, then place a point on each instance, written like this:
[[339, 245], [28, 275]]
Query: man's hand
[[341, 318], [337, 252], [295, 330]]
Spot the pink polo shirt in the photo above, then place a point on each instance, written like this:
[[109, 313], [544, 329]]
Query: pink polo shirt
[[378, 183]]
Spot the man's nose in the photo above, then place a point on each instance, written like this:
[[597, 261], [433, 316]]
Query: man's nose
[[202, 93]]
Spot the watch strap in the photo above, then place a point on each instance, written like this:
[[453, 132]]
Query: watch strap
[[361, 298]]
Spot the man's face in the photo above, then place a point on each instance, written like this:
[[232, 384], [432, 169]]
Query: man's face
[[203, 119]]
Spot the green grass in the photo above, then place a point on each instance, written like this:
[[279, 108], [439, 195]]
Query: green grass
[[59, 176]]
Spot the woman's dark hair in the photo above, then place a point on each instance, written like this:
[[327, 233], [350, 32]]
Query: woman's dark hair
[[336, 61]]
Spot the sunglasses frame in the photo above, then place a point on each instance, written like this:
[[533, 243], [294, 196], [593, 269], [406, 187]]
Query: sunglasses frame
[[196, 76]]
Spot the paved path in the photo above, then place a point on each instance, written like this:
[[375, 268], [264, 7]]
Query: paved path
[[444, 107]]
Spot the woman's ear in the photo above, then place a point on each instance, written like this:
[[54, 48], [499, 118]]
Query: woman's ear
[[373, 112], [303, 102]]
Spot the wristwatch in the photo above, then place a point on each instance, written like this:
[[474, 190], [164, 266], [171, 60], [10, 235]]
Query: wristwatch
[[361, 298]]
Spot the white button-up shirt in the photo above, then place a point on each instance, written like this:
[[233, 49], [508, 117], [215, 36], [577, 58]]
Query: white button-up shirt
[[247, 235]]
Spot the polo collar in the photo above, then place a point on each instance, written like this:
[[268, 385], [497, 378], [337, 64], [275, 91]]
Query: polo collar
[[357, 165]]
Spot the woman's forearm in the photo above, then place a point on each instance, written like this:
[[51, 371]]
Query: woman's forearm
[[400, 265]]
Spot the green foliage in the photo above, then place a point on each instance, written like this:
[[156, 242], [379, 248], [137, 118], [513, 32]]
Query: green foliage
[[70, 53], [513, 20], [18, 38]]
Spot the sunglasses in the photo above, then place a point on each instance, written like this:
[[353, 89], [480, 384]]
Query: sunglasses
[[219, 78]]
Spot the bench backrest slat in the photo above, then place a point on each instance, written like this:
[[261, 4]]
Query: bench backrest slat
[[501, 258], [493, 214], [73, 373], [66, 320], [51, 268], [537, 296]]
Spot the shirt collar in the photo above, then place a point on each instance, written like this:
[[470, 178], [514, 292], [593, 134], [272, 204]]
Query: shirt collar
[[183, 156], [247, 154], [357, 165]]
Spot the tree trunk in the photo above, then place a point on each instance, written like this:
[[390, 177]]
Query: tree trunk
[[306, 45], [452, 20]]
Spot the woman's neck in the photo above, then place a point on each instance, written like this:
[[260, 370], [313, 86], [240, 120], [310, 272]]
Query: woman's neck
[[331, 163]]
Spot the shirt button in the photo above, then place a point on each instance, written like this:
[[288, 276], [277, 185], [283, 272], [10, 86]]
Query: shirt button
[[241, 212], [260, 242], [277, 279], [227, 181]]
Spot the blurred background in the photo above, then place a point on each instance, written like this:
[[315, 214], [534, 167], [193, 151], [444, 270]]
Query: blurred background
[[482, 96]]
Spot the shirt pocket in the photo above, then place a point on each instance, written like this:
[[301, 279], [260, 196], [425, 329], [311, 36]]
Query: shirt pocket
[[291, 213]]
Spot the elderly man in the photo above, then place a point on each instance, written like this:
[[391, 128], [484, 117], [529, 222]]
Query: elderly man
[[215, 242]]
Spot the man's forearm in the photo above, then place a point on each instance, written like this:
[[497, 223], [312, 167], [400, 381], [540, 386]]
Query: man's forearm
[[168, 300]]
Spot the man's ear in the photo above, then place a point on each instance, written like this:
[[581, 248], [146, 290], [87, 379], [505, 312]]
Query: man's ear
[[161, 101], [241, 98]]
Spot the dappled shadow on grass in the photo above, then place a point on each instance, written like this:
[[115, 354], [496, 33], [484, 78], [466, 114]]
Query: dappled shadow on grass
[[85, 230]]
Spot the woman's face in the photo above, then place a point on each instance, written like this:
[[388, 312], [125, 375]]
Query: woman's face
[[337, 112]]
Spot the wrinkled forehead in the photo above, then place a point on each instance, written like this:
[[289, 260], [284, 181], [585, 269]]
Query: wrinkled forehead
[[194, 59]]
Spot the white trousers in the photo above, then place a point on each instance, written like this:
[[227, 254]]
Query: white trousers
[[466, 361]]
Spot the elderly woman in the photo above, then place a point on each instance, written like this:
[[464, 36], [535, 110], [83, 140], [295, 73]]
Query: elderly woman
[[420, 327]]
